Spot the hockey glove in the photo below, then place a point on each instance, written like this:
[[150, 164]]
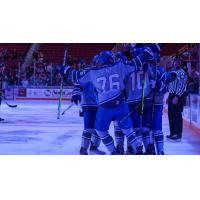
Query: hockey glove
[[65, 70], [155, 48], [76, 99]]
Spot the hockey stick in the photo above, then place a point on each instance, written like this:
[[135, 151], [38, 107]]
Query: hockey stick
[[60, 99], [154, 95], [155, 77], [67, 108], [130, 113], [9, 105], [61, 88], [142, 100]]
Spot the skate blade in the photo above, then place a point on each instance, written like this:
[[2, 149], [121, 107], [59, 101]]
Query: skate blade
[[174, 141], [101, 153]]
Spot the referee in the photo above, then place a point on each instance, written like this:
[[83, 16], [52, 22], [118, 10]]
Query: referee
[[176, 101]]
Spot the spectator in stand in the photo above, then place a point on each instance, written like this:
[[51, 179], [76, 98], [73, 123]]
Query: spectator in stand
[[49, 68], [57, 79], [5, 54], [35, 56], [28, 71], [193, 81], [43, 78], [81, 64], [31, 80], [14, 54], [40, 57], [70, 60], [1, 53], [25, 83]]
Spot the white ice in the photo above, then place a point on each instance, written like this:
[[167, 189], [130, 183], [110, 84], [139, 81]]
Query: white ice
[[33, 128]]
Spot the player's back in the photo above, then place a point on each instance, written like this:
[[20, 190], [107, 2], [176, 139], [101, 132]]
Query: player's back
[[133, 85], [89, 96], [109, 83]]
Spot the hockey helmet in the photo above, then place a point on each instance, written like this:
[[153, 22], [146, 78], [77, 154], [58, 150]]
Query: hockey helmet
[[106, 57], [119, 56]]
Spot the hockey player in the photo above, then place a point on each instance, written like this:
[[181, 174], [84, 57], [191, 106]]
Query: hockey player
[[87, 95], [124, 57], [140, 101], [159, 82], [109, 83], [120, 56], [139, 94]]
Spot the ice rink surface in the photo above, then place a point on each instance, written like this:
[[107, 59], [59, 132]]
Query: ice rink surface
[[32, 128]]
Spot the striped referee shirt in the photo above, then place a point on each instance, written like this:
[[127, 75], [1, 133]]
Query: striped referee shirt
[[179, 85]]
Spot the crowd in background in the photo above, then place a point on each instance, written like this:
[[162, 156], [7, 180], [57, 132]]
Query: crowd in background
[[10, 59], [42, 72], [39, 73], [194, 80], [5, 54]]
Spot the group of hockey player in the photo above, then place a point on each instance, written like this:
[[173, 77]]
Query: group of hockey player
[[127, 88]]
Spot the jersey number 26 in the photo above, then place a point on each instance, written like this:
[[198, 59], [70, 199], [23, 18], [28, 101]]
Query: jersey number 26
[[110, 82]]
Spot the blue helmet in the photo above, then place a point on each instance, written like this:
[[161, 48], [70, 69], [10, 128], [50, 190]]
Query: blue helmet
[[134, 52], [96, 60], [140, 45], [106, 57], [119, 56]]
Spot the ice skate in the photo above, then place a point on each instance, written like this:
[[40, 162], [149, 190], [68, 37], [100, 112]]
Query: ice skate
[[115, 152], [139, 150], [175, 138], [130, 151], [83, 151], [95, 151], [161, 153], [150, 150], [120, 148]]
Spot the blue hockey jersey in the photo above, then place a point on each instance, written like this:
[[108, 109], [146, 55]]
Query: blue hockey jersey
[[162, 80], [133, 85], [88, 94], [108, 80]]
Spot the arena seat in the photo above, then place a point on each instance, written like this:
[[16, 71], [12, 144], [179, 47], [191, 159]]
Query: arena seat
[[21, 48], [171, 48], [54, 52]]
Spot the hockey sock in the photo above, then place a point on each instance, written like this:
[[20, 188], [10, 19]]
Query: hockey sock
[[152, 137], [119, 136], [107, 140], [96, 140], [159, 141], [138, 134], [139, 138], [131, 138], [86, 137], [146, 137]]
